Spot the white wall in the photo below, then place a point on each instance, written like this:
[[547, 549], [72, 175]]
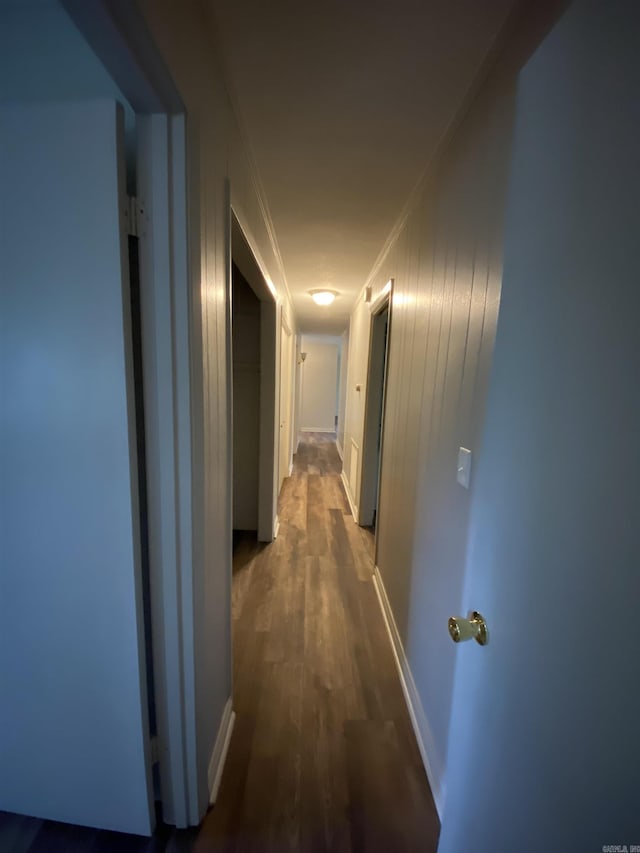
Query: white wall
[[319, 383], [446, 262], [43, 57], [217, 159]]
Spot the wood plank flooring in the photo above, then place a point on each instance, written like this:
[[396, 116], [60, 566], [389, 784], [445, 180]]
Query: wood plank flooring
[[20, 834], [323, 756]]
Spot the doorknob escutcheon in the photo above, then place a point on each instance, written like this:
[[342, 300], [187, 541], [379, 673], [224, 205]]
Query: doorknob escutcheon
[[461, 629]]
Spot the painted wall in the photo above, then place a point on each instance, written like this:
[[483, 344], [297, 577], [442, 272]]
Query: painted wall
[[319, 383], [44, 57], [446, 260], [554, 520], [246, 403], [217, 160]]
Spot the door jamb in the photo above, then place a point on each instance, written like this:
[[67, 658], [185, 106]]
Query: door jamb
[[248, 262], [373, 404], [116, 31]]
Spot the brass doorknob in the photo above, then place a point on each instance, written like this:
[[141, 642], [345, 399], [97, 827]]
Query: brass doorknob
[[475, 628]]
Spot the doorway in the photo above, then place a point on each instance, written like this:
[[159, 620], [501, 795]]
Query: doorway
[[82, 421], [245, 330], [319, 383], [255, 416], [374, 409]]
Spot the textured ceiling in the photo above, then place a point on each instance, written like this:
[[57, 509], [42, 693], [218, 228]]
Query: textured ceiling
[[343, 103]]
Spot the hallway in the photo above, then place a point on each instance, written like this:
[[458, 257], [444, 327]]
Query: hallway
[[323, 756]]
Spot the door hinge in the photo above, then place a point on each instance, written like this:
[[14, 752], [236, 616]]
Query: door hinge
[[134, 217]]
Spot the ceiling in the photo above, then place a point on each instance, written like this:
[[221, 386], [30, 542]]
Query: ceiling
[[343, 103]]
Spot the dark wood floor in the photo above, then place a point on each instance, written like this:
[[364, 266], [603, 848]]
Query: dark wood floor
[[323, 757], [20, 834]]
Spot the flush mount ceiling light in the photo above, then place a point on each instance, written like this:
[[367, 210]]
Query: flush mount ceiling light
[[323, 297]]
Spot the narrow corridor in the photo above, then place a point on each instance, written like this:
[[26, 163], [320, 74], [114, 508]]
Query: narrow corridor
[[323, 756]]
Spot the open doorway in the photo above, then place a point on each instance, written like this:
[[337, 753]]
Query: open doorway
[[374, 409], [96, 416], [254, 367], [245, 326]]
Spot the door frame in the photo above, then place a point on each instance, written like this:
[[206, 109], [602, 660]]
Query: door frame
[[166, 352], [241, 253], [376, 393], [117, 34]]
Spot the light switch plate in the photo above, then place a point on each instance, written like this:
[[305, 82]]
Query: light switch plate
[[464, 467]]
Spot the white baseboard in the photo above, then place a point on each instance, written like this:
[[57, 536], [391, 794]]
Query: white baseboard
[[220, 749], [276, 527], [339, 449], [291, 468], [421, 728], [317, 429], [345, 483]]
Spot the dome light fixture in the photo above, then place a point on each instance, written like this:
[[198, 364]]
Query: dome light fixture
[[323, 297]]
